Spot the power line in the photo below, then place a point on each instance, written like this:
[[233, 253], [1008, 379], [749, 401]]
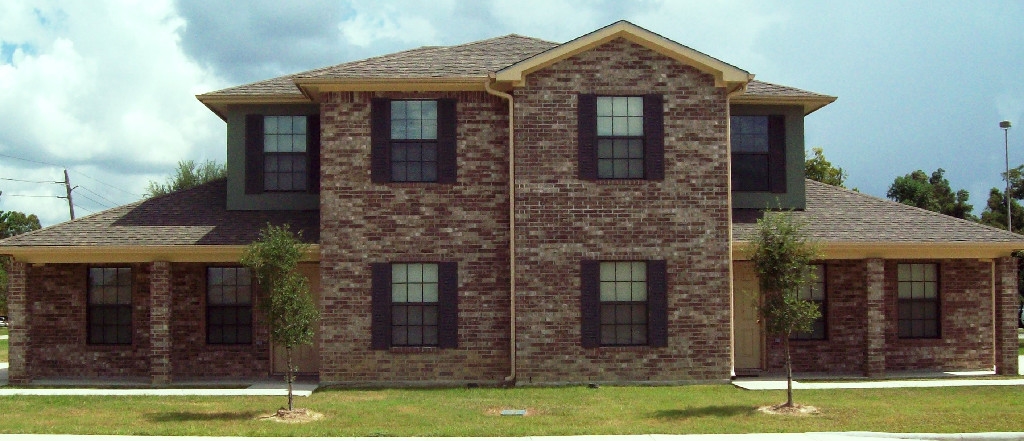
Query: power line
[[76, 171], [98, 195], [94, 201], [32, 196], [30, 182]]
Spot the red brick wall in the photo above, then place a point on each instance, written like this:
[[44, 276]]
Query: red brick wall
[[966, 322], [191, 357], [561, 220], [965, 300], [843, 349], [57, 329], [364, 222]]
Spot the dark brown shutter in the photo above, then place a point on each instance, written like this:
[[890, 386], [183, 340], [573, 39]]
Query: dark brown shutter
[[590, 303], [777, 153], [448, 305], [447, 160], [380, 315], [586, 127], [253, 154], [313, 151], [657, 304], [380, 138], [654, 138]]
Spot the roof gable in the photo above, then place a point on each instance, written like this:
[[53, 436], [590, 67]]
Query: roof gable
[[726, 75]]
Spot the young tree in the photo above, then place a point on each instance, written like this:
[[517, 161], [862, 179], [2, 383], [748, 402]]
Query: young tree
[[286, 300], [188, 175], [820, 169], [782, 256]]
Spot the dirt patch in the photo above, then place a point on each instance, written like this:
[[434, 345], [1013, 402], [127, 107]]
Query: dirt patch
[[293, 416], [794, 410]]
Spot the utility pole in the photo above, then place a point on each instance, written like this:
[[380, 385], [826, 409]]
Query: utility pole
[[1005, 125], [67, 185]]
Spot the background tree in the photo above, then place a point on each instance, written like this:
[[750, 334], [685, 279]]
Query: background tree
[[820, 169], [782, 256], [12, 223], [187, 175], [931, 193], [994, 213], [285, 298]]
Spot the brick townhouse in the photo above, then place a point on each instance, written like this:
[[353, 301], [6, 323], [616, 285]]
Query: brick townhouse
[[510, 210]]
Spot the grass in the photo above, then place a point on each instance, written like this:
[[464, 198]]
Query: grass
[[3, 346], [552, 411]]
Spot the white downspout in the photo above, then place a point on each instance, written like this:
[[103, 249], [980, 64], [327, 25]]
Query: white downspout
[[511, 378]]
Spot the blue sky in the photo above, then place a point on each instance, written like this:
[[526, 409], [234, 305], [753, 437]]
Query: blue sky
[[107, 88]]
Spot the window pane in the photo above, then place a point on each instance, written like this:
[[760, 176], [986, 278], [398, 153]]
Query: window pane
[[398, 273], [634, 126], [619, 106], [604, 126], [749, 134], [399, 292], [430, 292], [604, 106]]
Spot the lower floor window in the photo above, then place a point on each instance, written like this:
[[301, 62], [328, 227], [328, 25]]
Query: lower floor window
[[623, 303], [815, 292], [229, 295], [110, 306], [414, 297], [414, 304], [918, 299]]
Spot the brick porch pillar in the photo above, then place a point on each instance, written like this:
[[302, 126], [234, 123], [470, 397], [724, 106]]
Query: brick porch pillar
[[160, 323], [1006, 315], [19, 310], [874, 344]]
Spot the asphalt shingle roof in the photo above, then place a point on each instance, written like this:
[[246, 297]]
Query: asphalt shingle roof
[[475, 59], [838, 215], [197, 216]]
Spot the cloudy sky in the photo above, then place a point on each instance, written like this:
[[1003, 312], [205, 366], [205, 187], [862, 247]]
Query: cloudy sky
[[106, 89]]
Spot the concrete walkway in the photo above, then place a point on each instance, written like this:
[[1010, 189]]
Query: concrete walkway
[[810, 436]]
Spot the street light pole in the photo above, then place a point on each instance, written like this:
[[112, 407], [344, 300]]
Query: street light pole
[[1005, 125]]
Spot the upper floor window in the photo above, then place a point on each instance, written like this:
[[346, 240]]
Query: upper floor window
[[229, 295], [413, 141], [414, 304], [918, 299], [758, 153], [623, 303], [282, 153], [621, 137], [110, 306], [815, 292]]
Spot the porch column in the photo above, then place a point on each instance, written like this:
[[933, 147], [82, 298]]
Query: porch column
[[19, 310], [874, 338], [160, 323], [1006, 315]]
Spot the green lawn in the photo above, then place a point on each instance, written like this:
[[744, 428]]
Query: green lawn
[[552, 411]]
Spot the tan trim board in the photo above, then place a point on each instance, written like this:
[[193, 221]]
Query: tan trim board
[[120, 254], [219, 103], [896, 250], [810, 104], [723, 72]]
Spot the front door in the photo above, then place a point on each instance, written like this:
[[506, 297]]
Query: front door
[[306, 358], [746, 326]]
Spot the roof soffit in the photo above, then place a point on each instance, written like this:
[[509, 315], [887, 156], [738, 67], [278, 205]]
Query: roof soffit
[[726, 75]]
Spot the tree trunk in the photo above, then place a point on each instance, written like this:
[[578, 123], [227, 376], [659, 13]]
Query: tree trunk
[[789, 373], [289, 376]]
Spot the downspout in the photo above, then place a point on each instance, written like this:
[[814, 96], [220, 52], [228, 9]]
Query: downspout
[[511, 378], [732, 259]]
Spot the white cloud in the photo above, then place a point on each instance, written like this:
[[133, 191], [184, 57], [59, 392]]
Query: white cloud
[[104, 88]]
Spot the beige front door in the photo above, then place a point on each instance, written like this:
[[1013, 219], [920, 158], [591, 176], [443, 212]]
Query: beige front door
[[746, 326], [305, 358]]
